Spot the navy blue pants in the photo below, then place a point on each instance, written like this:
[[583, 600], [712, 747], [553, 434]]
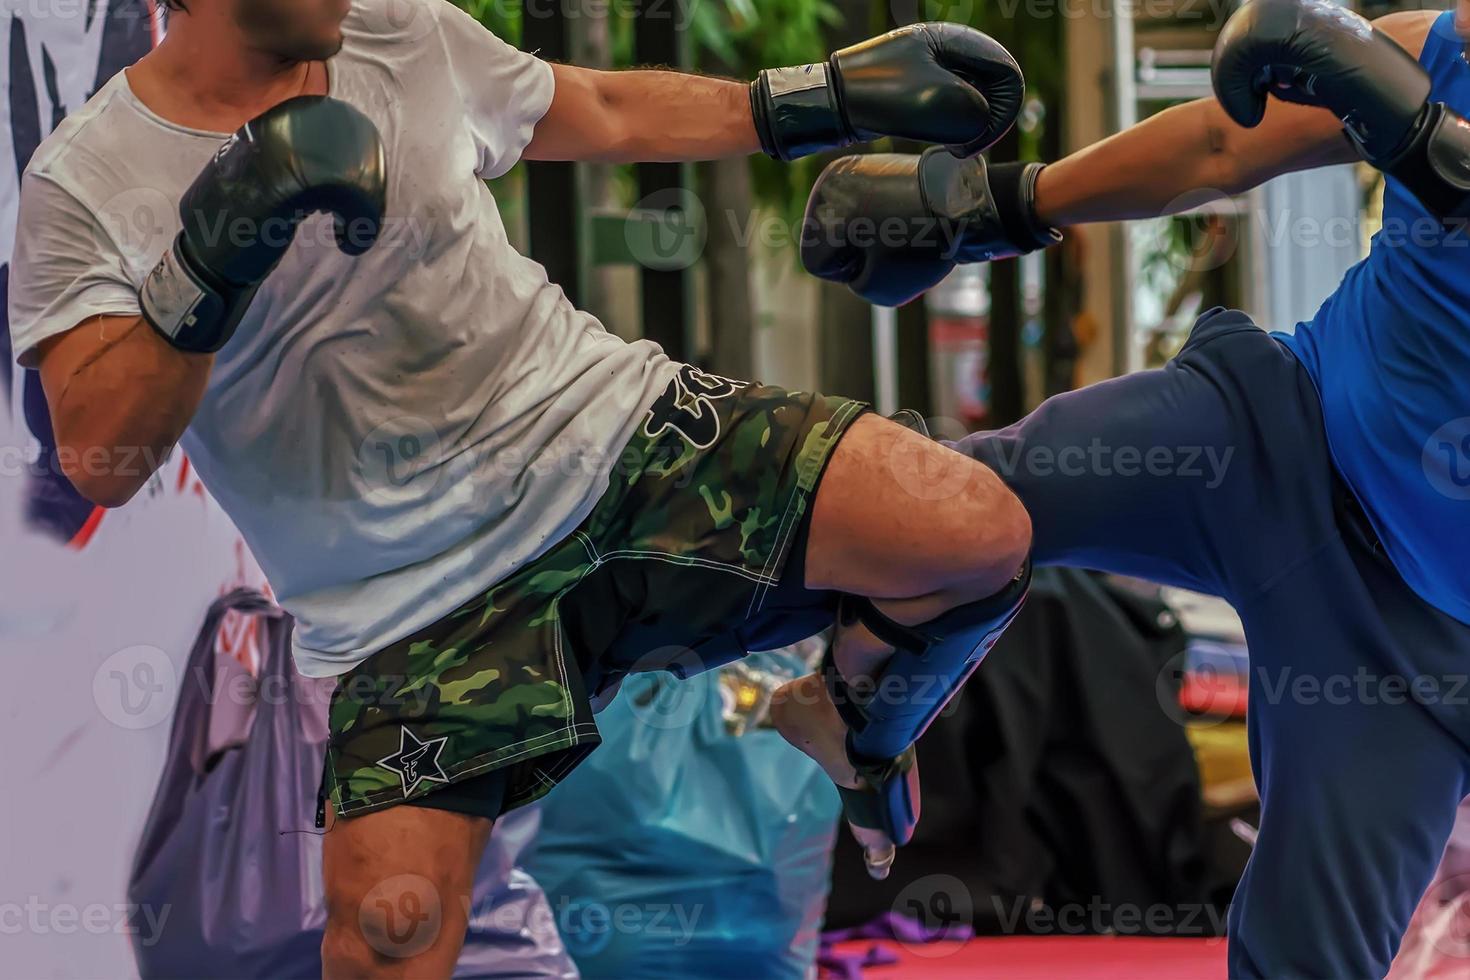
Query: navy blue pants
[[1213, 473]]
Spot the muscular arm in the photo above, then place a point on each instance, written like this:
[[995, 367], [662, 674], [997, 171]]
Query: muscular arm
[[121, 389], [120, 397], [1144, 171], [643, 116]]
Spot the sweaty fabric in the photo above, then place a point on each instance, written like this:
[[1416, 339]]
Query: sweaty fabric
[[682, 566], [1389, 352], [394, 433], [1214, 473]]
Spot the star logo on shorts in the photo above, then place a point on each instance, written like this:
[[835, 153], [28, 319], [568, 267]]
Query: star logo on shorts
[[416, 761]]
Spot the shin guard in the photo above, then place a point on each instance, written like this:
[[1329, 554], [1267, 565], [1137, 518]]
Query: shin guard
[[930, 663]]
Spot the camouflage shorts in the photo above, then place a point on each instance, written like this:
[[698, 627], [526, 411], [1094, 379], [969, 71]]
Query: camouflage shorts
[[676, 568]]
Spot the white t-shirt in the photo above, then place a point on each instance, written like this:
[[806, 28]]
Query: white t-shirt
[[392, 433]]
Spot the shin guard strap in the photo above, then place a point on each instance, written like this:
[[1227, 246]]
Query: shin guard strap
[[928, 666]]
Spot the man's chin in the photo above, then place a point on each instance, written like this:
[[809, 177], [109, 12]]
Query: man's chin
[[312, 49], [329, 48]]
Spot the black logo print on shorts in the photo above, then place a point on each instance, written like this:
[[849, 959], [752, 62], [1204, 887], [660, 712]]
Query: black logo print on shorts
[[687, 405]]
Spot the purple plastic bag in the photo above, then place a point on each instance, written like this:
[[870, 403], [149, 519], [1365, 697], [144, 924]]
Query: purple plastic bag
[[228, 870]]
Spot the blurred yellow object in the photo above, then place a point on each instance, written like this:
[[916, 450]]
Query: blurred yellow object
[[747, 696], [1223, 757]]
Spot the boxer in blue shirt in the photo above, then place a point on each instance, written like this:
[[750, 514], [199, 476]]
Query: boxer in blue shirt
[[1319, 481]]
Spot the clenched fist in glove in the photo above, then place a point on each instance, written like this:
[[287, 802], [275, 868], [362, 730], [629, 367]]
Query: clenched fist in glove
[[891, 225], [1317, 53], [933, 83], [305, 155]]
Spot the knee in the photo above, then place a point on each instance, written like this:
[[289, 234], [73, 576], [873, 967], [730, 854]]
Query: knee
[[346, 953], [399, 922], [997, 534], [980, 538], [1013, 533]]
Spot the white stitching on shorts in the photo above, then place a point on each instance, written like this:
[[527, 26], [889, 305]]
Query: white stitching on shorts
[[589, 546], [676, 559]]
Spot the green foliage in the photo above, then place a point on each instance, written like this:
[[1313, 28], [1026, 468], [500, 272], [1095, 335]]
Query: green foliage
[[744, 36], [739, 38], [1165, 247], [502, 17]]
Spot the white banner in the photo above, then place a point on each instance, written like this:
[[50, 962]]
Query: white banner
[[97, 609]]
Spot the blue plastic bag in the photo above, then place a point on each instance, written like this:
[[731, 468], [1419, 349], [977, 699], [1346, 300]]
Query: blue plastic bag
[[683, 849]]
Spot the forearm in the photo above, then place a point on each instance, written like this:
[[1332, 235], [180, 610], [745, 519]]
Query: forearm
[[684, 117], [1149, 170], [1141, 172], [644, 116], [120, 398]]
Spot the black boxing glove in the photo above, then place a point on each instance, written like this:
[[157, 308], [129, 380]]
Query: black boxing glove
[[307, 154], [890, 226], [934, 83], [1317, 53]]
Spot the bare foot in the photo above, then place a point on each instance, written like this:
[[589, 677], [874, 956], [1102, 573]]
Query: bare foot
[[805, 716]]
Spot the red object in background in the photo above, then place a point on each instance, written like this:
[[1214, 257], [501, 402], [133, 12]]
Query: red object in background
[[960, 348], [1214, 694], [1052, 958], [83, 537], [187, 482]]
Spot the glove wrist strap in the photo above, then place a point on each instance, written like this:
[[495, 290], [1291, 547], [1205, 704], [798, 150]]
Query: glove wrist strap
[[1014, 187], [795, 112], [187, 307], [1435, 165]]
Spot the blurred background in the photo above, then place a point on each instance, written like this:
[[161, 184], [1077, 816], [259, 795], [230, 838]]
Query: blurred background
[[1089, 803], [702, 257]]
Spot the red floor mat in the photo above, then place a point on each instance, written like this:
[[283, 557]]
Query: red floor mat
[[1052, 958]]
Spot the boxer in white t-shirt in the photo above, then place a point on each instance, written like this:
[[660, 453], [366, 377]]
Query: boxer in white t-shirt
[[481, 507]]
